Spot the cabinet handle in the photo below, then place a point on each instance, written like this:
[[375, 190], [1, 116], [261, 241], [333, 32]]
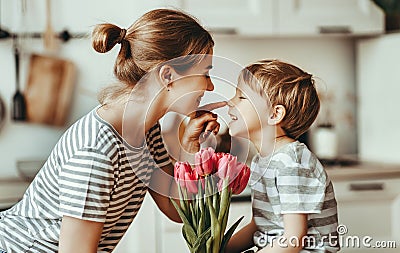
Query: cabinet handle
[[334, 30], [367, 187], [224, 31]]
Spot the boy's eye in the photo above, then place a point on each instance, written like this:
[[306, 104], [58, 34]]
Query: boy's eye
[[241, 97]]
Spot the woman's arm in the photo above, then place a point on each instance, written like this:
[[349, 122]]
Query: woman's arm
[[295, 227], [243, 239], [79, 236]]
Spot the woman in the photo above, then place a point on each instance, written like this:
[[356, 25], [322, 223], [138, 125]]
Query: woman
[[93, 184]]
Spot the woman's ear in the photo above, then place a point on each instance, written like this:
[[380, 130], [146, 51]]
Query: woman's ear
[[165, 75], [278, 112]]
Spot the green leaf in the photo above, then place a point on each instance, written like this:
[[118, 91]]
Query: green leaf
[[225, 216], [192, 213], [209, 244], [229, 234], [201, 240], [225, 199], [215, 228], [186, 202], [180, 212], [182, 202], [201, 227], [187, 238], [189, 234]]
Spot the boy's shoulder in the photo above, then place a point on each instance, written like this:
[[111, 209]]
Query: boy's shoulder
[[294, 154]]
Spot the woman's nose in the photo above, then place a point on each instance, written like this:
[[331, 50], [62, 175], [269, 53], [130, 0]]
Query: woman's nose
[[210, 85]]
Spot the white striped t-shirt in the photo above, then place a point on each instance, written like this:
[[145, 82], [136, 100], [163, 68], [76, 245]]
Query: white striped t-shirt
[[292, 180], [91, 174]]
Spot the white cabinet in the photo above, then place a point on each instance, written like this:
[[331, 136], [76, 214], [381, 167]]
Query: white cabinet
[[142, 234], [368, 208], [377, 62], [251, 17], [310, 17], [74, 15], [288, 17]]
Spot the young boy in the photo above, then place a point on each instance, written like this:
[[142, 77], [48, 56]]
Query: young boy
[[293, 201]]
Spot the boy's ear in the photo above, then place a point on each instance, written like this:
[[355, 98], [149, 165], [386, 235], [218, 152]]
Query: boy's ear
[[165, 74], [278, 112]]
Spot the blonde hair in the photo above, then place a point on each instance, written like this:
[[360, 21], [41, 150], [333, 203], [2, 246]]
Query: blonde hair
[[156, 37], [285, 84]]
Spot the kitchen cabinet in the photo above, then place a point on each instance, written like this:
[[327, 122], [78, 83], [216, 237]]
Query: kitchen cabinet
[[288, 17], [252, 17], [142, 235], [75, 15], [377, 67], [368, 208], [312, 17]]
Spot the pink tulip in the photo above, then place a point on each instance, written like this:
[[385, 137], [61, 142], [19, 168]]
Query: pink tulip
[[205, 162], [228, 166], [223, 165], [217, 156], [185, 176], [240, 182]]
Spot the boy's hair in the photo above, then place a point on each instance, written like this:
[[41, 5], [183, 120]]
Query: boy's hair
[[284, 84]]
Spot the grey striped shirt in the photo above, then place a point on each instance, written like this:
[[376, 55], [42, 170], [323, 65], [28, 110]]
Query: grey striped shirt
[[91, 174], [292, 180]]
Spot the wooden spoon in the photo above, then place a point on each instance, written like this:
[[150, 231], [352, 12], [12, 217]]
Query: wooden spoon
[[49, 35]]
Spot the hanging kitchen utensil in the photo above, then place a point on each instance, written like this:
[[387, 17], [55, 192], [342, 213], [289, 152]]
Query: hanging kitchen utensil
[[49, 89], [19, 103], [49, 37], [2, 112]]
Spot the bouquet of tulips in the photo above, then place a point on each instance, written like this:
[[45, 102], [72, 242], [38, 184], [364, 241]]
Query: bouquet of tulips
[[205, 195]]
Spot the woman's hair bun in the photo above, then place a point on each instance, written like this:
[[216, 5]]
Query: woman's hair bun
[[106, 36]]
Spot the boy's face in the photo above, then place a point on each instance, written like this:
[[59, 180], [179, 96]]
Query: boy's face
[[249, 113]]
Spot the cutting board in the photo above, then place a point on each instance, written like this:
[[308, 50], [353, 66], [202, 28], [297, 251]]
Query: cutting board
[[49, 89]]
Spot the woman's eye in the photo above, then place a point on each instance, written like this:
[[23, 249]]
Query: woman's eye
[[241, 97]]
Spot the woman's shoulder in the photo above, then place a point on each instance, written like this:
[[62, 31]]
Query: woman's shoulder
[[89, 132]]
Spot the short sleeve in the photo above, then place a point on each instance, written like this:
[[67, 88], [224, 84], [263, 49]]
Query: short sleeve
[[85, 185], [156, 146], [300, 191]]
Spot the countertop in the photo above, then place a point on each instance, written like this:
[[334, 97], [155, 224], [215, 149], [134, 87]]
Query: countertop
[[355, 172], [12, 189], [363, 171]]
